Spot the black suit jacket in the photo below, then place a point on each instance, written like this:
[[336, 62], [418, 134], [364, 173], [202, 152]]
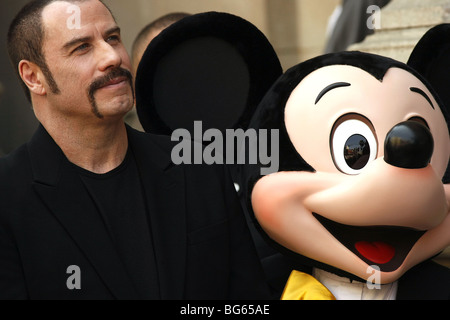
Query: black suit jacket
[[48, 222]]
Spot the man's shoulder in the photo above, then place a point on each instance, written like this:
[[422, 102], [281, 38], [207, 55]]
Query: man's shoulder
[[167, 150], [143, 139], [164, 145], [15, 176], [14, 162]]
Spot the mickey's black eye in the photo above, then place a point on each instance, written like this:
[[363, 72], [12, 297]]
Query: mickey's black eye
[[353, 145], [356, 152]]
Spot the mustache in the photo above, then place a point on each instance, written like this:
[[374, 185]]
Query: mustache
[[104, 80]]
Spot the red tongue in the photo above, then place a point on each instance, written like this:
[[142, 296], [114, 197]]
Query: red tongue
[[378, 252]]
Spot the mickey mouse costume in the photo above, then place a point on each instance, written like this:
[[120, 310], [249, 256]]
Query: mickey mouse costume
[[364, 147]]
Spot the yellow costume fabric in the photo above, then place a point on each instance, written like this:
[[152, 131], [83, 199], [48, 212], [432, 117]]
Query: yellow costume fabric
[[302, 286]]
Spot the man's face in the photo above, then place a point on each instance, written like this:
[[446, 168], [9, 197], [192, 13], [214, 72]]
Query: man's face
[[89, 63]]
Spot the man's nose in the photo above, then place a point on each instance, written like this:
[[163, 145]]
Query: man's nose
[[108, 57], [409, 145]]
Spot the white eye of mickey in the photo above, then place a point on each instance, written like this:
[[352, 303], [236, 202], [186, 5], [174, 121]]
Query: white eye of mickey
[[353, 146]]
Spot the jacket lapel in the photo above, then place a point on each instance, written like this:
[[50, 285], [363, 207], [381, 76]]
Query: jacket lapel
[[63, 192], [164, 189]]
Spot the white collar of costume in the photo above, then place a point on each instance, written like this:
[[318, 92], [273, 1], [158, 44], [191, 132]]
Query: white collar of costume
[[345, 289]]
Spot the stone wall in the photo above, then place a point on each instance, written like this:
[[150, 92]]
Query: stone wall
[[403, 23]]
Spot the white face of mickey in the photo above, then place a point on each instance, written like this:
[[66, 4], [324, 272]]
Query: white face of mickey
[[357, 210]]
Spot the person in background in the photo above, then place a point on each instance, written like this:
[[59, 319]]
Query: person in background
[[140, 43], [149, 32]]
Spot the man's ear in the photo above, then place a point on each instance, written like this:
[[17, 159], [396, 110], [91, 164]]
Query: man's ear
[[33, 77]]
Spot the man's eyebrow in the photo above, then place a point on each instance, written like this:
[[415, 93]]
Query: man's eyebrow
[[423, 94], [76, 41], [112, 30], [331, 87]]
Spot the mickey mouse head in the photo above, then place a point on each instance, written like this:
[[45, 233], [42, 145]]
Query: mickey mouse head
[[363, 151], [357, 209]]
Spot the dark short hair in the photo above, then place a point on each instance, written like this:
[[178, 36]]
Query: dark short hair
[[25, 39], [158, 24]]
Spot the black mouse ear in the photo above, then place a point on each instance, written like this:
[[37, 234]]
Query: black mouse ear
[[431, 59], [210, 67]]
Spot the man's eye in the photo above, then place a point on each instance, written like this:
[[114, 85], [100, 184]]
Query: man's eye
[[82, 47], [113, 39]]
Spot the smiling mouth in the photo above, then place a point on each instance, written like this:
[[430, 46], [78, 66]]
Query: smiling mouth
[[384, 246], [114, 82]]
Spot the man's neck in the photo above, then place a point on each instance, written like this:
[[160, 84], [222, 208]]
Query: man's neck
[[96, 148]]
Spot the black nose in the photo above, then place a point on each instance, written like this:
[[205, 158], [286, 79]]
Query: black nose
[[409, 145]]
